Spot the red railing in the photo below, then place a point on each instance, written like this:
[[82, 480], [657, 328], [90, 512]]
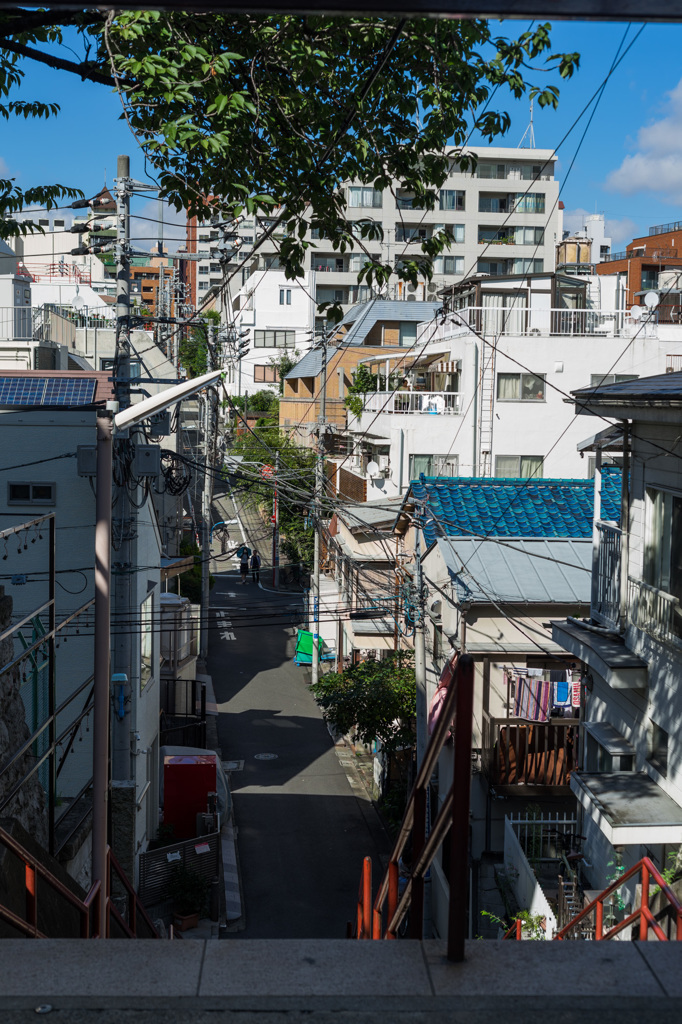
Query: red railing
[[88, 910], [642, 915], [383, 918]]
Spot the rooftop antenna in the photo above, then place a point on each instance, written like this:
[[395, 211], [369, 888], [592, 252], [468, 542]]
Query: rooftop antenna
[[529, 133]]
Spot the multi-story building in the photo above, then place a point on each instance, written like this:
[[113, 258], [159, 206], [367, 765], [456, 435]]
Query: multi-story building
[[650, 263], [504, 219], [486, 386], [629, 785]]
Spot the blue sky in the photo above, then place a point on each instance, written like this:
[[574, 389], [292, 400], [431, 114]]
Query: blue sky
[[629, 166]]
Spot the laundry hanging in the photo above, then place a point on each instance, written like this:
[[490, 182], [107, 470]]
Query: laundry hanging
[[532, 699]]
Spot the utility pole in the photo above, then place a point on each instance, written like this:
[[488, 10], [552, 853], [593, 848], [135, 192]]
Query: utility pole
[[206, 497], [319, 484], [123, 525], [275, 527], [419, 648]]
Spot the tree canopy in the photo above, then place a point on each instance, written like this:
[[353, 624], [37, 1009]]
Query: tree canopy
[[241, 112]]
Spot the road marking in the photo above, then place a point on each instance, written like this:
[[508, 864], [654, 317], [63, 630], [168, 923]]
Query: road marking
[[227, 636], [266, 757]]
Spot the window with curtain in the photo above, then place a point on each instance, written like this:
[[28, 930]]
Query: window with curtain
[[433, 465], [529, 202], [451, 199], [518, 466], [362, 196], [408, 333], [520, 387]]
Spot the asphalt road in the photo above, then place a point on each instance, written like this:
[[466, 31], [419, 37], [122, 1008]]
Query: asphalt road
[[304, 824]]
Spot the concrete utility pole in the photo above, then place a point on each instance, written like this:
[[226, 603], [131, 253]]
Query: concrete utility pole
[[419, 649], [275, 527], [206, 501], [319, 485], [123, 523]]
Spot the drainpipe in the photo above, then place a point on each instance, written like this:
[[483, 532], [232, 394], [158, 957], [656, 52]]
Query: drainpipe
[[400, 463], [474, 446], [625, 526]]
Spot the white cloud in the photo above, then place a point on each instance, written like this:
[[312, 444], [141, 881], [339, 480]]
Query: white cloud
[[656, 164], [4, 168]]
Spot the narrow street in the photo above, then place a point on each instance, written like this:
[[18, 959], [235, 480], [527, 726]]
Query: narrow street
[[304, 822]]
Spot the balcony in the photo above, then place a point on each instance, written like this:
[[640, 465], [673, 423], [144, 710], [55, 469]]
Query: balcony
[[654, 612], [433, 403], [529, 322], [531, 754], [606, 580]]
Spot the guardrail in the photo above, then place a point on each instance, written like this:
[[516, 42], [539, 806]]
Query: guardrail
[[606, 581], [654, 611], [382, 918], [411, 403]]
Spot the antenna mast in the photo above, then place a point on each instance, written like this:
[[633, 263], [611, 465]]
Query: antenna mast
[[529, 133]]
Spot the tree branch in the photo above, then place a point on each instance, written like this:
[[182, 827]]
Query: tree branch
[[18, 21], [86, 70]]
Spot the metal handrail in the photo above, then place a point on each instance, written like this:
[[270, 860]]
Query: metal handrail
[[453, 815]]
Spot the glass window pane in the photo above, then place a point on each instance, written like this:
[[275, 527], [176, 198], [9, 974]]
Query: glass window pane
[[531, 466], [507, 466], [532, 387], [420, 464], [508, 387]]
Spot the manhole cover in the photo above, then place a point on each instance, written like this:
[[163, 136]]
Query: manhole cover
[[266, 757]]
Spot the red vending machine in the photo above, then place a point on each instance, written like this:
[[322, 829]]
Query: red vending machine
[[187, 781]]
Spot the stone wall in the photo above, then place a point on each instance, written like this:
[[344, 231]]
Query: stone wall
[[28, 807]]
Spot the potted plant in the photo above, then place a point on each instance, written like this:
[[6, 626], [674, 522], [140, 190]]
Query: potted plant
[[189, 892]]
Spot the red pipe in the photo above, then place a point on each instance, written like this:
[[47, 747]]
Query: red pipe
[[393, 875], [367, 898]]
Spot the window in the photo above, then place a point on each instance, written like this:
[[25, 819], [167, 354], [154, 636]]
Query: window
[[658, 755], [448, 265], [509, 235], [433, 465], [527, 266], [404, 202], [457, 232], [285, 296], [357, 261], [437, 642], [451, 199], [663, 551], [529, 202], [597, 379], [274, 339], [491, 171], [408, 333], [215, 268], [364, 197], [489, 202], [529, 172], [203, 270], [31, 494], [146, 641], [405, 233], [135, 366], [494, 268], [520, 387], [518, 467], [265, 374], [203, 286], [203, 238]]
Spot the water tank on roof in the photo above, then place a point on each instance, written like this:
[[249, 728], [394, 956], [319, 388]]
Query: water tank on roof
[[670, 280]]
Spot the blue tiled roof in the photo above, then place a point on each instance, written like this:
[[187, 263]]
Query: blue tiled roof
[[489, 507]]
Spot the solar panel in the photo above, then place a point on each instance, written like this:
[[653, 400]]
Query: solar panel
[[64, 391]]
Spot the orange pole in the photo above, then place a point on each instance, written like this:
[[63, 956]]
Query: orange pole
[[599, 920], [393, 873], [376, 924], [367, 898], [643, 922], [31, 897], [519, 929]]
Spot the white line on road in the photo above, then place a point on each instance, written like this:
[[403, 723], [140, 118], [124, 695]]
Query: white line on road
[[227, 636]]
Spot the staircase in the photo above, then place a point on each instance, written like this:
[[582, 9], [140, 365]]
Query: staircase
[[48, 908], [588, 923]]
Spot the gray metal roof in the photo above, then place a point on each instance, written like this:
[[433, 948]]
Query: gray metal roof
[[361, 319], [538, 571], [664, 387], [311, 364], [370, 513]]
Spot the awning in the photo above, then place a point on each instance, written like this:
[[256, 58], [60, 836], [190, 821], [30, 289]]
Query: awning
[[609, 738], [451, 366], [171, 567], [629, 808]]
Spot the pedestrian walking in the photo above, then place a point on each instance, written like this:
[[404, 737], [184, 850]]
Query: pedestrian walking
[[244, 565], [224, 537], [255, 566]]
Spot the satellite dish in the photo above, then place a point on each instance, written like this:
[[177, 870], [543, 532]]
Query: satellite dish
[[651, 300], [373, 469], [636, 312], [78, 301]]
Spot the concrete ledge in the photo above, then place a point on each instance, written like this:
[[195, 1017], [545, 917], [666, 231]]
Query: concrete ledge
[[591, 980]]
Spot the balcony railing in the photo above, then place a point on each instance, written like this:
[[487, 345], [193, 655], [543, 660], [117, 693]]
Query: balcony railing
[[606, 581], [525, 753], [413, 402], [529, 322], [655, 612]]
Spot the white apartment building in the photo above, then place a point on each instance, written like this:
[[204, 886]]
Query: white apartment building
[[629, 785], [487, 393], [504, 219], [277, 315]]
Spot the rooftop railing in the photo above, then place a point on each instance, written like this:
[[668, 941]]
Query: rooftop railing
[[433, 403], [530, 322]]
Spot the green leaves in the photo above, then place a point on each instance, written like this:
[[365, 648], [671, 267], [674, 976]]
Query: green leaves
[[375, 699]]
